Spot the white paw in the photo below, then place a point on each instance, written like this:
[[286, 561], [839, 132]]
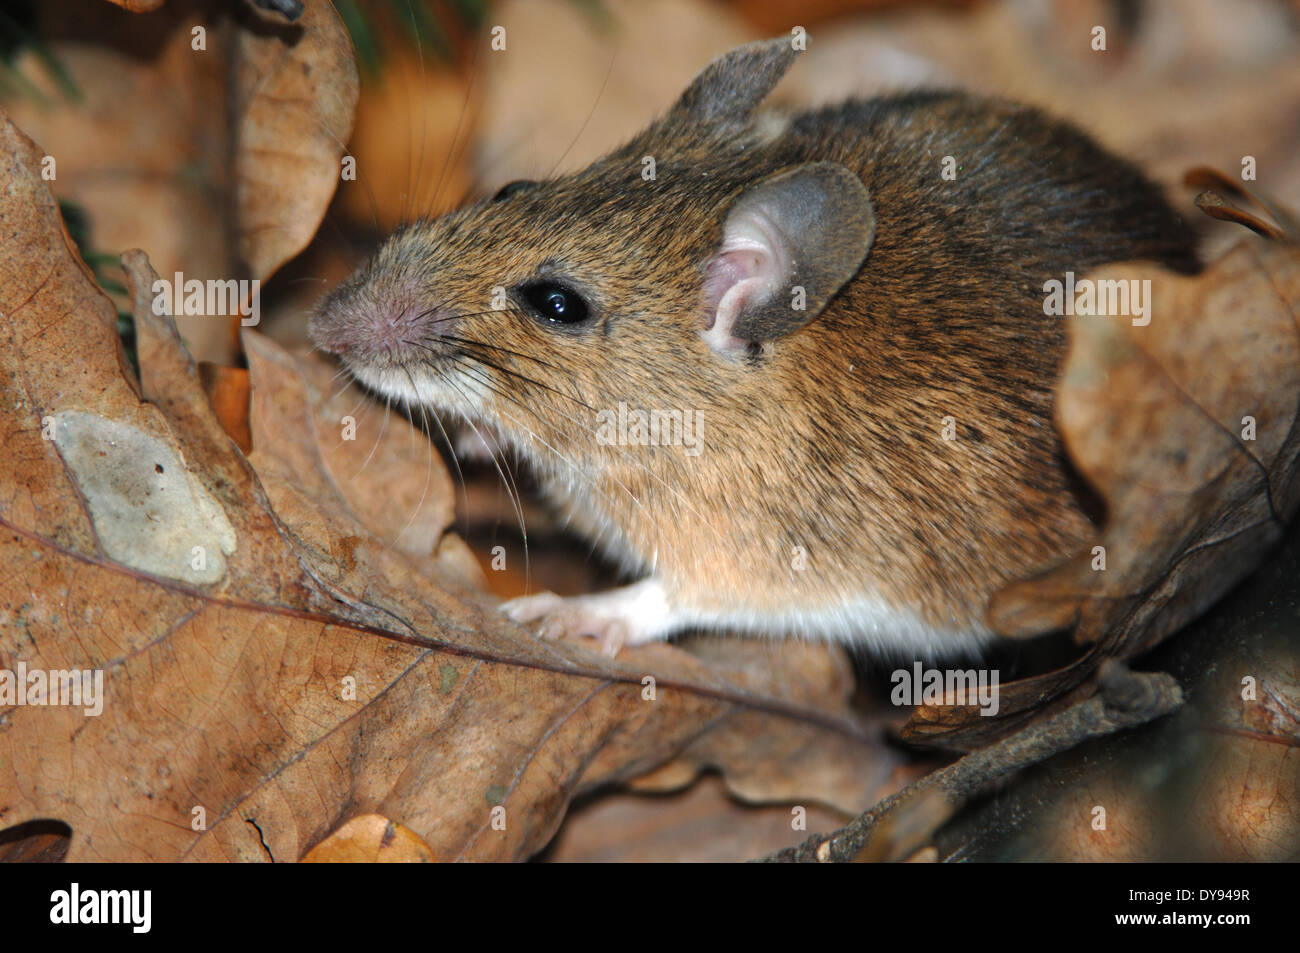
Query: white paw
[[627, 616], [557, 618]]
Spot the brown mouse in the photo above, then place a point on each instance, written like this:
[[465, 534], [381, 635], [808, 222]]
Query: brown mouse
[[860, 341]]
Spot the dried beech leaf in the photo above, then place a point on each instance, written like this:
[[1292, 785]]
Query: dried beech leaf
[[371, 839], [152, 152], [296, 90], [272, 667], [786, 762], [704, 824]]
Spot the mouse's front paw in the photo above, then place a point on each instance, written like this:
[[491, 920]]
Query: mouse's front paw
[[558, 618], [627, 616]]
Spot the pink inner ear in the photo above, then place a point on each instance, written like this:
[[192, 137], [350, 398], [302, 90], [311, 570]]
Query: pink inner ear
[[732, 277]]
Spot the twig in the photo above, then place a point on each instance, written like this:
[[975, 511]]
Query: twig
[[904, 822]]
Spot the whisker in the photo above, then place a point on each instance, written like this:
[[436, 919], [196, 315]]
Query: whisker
[[512, 373], [488, 170], [469, 346], [575, 468], [387, 407], [460, 120], [512, 489], [470, 371], [496, 347], [370, 193], [475, 367], [428, 472], [583, 128], [414, 186]]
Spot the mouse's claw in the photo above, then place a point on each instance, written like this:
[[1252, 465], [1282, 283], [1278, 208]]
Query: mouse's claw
[[527, 609]]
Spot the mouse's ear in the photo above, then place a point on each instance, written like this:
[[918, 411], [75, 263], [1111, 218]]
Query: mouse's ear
[[789, 244], [731, 87]]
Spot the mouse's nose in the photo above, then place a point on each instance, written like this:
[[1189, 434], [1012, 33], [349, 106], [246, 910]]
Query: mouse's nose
[[368, 324]]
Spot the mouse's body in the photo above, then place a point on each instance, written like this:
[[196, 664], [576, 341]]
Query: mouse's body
[[862, 342]]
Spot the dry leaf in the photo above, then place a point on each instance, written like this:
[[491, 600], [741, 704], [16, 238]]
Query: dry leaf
[[296, 89], [788, 762], [152, 150], [371, 839]]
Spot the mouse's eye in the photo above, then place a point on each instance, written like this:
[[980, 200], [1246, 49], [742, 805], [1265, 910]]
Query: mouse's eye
[[510, 188], [554, 303]]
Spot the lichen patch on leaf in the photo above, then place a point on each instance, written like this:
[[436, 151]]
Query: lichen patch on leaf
[[148, 511]]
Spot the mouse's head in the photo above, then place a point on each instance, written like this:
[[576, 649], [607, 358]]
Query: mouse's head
[[657, 277]]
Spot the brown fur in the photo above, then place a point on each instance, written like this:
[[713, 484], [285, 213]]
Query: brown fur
[[828, 438]]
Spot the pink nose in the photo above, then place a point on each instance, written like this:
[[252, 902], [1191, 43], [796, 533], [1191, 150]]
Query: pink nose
[[331, 333], [361, 324]]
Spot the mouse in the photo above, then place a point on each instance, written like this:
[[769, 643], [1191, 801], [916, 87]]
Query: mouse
[[791, 372]]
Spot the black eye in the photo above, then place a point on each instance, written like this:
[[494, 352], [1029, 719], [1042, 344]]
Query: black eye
[[510, 188], [555, 304]]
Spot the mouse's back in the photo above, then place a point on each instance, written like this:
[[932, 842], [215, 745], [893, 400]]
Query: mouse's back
[[938, 359]]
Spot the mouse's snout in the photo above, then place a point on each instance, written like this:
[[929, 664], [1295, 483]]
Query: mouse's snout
[[366, 324]]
